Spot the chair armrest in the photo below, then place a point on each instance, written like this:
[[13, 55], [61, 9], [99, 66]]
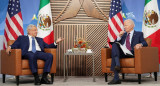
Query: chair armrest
[[11, 63], [53, 52], [105, 53], [146, 60]]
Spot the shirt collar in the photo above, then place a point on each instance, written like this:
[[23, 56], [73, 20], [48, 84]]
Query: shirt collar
[[30, 36], [131, 32]]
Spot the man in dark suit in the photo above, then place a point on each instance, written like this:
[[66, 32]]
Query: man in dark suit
[[130, 39], [32, 49]]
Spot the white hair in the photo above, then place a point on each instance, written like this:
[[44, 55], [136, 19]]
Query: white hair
[[30, 27]]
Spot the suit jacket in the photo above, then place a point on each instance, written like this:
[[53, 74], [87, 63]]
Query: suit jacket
[[136, 39], [22, 43]]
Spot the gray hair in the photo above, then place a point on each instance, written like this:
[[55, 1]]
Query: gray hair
[[132, 22], [30, 27]]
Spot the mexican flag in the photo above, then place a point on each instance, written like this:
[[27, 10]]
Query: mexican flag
[[151, 23], [45, 25]]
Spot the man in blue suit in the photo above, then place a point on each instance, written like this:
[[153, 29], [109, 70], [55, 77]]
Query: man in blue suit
[[32, 49], [130, 39]]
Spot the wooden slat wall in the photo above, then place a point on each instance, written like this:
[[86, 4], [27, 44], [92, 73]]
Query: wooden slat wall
[[89, 28], [77, 64], [96, 34]]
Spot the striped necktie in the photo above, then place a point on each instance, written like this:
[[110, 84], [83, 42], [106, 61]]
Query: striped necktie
[[128, 45]]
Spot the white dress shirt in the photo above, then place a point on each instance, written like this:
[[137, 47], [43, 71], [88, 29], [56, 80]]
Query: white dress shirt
[[36, 43]]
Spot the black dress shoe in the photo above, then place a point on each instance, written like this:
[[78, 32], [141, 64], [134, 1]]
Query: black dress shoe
[[45, 81], [37, 81], [114, 82], [117, 68]]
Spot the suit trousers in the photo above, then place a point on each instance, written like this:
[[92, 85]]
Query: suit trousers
[[117, 53], [33, 57]]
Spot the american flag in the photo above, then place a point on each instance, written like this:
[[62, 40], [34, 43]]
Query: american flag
[[115, 24], [14, 23]]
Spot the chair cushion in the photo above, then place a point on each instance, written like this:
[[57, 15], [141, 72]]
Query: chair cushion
[[124, 62], [25, 64]]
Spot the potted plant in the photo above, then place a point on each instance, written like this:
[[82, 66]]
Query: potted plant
[[80, 45]]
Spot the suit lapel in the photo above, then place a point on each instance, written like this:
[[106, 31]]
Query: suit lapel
[[27, 39], [39, 43], [133, 37], [124, 38]]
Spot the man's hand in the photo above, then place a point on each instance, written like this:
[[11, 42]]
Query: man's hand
[[8, 50], [59, 40], [137, 46], [121, 33]]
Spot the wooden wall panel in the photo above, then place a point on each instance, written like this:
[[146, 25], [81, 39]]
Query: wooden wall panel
[[77, 64], [84, 25], [96, 34], [58, 6]]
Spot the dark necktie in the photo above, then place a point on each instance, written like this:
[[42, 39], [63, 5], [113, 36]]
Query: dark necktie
[[33, 45], [128, 45]]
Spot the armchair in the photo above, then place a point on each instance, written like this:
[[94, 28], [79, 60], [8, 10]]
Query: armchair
[[13, 64], [146, 60]]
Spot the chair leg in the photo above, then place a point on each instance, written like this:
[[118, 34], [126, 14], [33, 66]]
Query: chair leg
[[139, 78], [52, 77], [123, 76], [106, 80], [155, 76], [17, 80], [4, 76]]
